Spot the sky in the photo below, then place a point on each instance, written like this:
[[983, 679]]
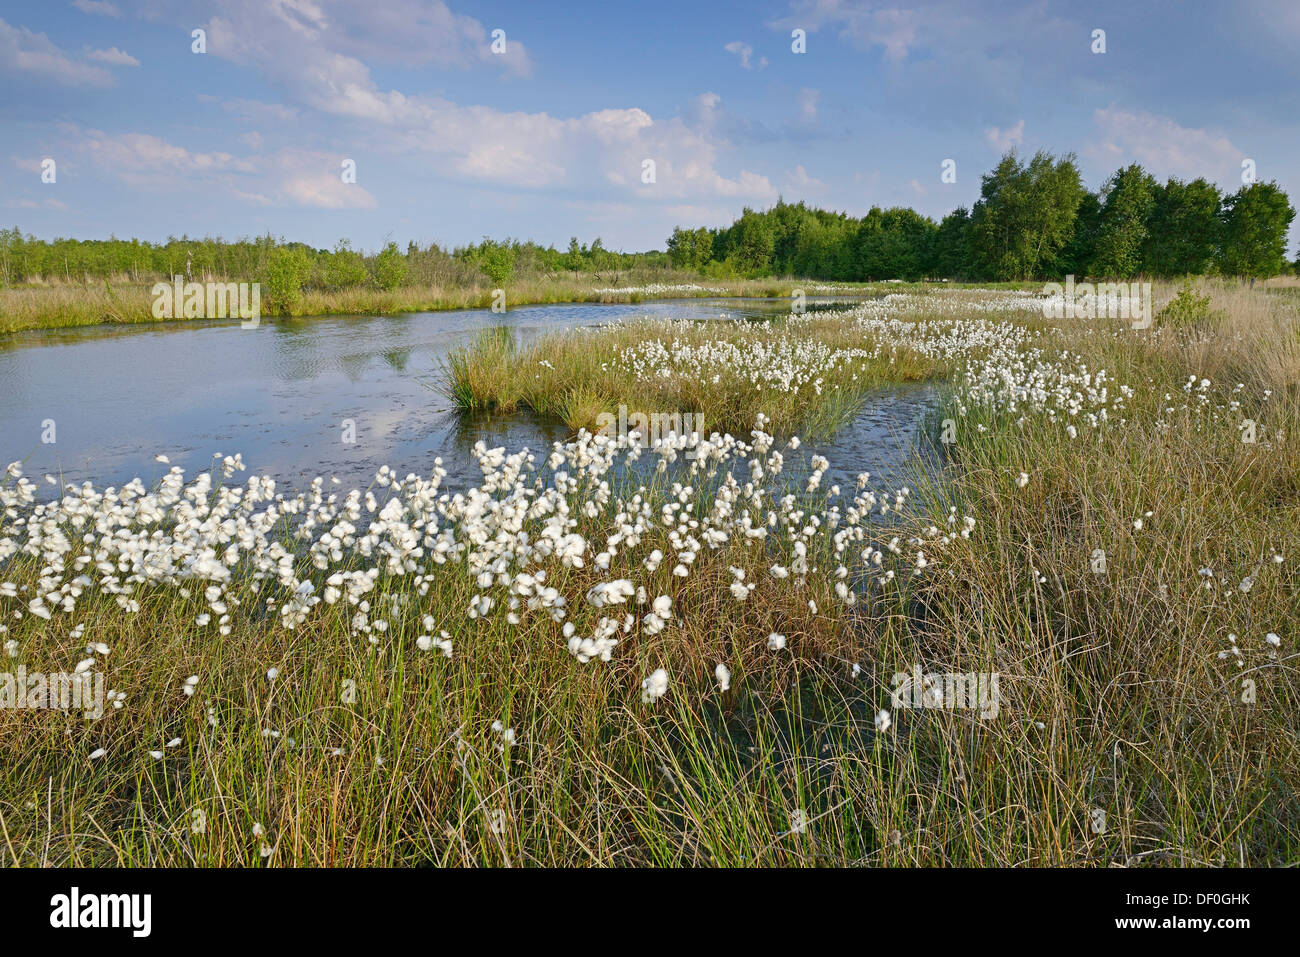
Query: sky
[[548, 136]]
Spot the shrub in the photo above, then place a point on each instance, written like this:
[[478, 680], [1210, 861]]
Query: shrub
[[496, 260], [1188, 308], [282, 286], [345, 267], [390, 268]]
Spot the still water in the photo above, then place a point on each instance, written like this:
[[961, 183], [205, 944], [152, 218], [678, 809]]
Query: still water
[[279, 394]]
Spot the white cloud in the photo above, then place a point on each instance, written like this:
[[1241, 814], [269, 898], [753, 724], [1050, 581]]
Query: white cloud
[[1162, 146], [144, 159], [113, 56], [1005, 139], [704, 110], [23, 51], [323, 189], [101, 8], [511, 149], [317, 54], [798, 182], [255, 111], [863, 24], [287, 37], [292, 177], [745, 54]]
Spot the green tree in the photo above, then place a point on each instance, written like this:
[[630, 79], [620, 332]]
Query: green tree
[[750, 242], [690, 248], [951, 257], [1076, 256], [1025, 214], [286, 270], [390, 267], [1183, 231], [1127, 201], [894, 244], [495, 260], [602, 260], [1253, 239], [344, 267], [575, 260]]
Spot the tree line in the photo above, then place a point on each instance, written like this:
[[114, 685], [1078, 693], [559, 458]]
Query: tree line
[[26, 259], [1034, 219]]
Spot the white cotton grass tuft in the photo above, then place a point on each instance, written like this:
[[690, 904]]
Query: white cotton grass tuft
[[234, 554], [654, 687], [508, 736], [723, 676], [775, 641], [442, 643]]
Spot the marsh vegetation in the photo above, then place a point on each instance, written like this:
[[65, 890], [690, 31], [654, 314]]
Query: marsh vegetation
[[610, 654]]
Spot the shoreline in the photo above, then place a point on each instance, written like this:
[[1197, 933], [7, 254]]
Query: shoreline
[[66, 307]]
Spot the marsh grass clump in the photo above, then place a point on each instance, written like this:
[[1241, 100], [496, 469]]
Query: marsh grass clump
[[479, 376], [806, 373]]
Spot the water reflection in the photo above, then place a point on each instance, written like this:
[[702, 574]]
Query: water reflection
[[280, 393]]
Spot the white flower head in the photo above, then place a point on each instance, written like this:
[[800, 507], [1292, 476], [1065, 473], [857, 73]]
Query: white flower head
[[723, 674], [654, 687]]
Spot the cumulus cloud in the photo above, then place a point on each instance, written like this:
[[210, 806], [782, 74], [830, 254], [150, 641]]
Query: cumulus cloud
[[1005, 139], [291, 177], [23, 51], [312, 179], [102, 8], [745, 54], [143, 158], [113, 56], [318, 57], [283, 39], [511, 149], [798, 182], [864, 24], [1161, 145]]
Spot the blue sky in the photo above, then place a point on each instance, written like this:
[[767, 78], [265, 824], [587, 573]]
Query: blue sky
[[452, 141]]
